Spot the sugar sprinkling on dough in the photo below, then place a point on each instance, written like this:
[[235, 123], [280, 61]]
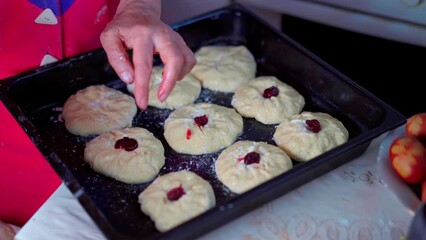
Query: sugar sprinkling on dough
[[247, 164], [97, 109], [202, 128], [175, 198], [224, 68], [267, 99], [130, 155], [185, 91], [307, 135]]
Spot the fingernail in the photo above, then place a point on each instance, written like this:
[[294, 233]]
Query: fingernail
[[126, 76], [143, 104], [162, 96]]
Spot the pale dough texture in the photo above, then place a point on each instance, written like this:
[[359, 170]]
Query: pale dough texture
[[248, 100], [184, 92], [240, 177], [137, 166], [224, 68], [198, 198], [302, 144], [97, 109], [185, 136]]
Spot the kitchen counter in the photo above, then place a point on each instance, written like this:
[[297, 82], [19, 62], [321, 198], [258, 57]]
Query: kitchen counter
[[350, 202]]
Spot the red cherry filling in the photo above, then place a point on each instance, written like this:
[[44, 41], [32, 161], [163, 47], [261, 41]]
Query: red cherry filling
[[252, 157], [201, 120], [188, 134], [175, 193], [271, 92], [126, 143], [313, 125]]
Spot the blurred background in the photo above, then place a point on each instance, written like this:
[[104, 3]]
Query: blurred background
[[379, 44]]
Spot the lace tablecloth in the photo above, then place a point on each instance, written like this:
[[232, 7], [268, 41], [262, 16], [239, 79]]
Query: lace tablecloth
[[350, 202]]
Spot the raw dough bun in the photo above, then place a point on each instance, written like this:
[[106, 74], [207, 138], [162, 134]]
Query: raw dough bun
[[198, 198], [184, 92], [240, 177], [97, 109], [137, 166], [224, 68], [248, 100], [302, 144], [182, 133]]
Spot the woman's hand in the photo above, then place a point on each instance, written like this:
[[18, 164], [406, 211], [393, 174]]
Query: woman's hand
[[137, 25]]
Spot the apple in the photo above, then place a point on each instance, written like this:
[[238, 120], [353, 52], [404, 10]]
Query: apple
[[416, 126], [408, 158]]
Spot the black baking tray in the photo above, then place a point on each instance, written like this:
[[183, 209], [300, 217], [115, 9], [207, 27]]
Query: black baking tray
[[35, 99]]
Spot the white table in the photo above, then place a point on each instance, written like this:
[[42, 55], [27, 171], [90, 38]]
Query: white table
[[350, 202]]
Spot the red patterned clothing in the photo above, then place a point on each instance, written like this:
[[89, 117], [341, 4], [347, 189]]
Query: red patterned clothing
[[33, 33]]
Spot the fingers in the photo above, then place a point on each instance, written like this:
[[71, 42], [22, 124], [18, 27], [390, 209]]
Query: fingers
[[117, 55], [172, 60], [188, 55], [178, 60], [142, 61]]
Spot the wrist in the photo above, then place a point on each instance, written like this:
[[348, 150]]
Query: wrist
[[145, 7]]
